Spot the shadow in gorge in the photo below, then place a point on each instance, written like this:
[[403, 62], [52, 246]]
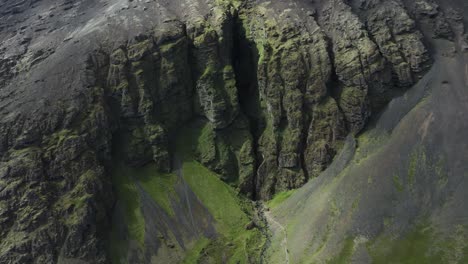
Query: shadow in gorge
[[245, 62]]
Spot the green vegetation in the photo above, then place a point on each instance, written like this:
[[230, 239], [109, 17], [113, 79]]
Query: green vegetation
[[398, 183], [235, 3], [334, 210], [129, 198], [210, 70], [226, 208], [414, 248], [160, 186], [217, 196], [279, 198], [233, 242], [77, 199], [346, 252], [168, 47], [77, 202], [421, 163], [356, 201], [137, 49], [206, 147], [230, 212], [54, 141], [421, 245], [129, 206], [194, 254], [441, 172], [412, 168], [370, 143]]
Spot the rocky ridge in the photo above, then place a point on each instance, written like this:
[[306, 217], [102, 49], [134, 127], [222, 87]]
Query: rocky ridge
[[279, 85]]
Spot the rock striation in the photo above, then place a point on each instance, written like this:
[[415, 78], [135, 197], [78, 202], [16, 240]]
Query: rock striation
[[278, 86]]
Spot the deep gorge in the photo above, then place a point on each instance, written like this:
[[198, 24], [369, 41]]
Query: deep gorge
[[167, 131]]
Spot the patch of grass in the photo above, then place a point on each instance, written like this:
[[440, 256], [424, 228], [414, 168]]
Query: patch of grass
[[441, 172], [222, 202], [224, 3], [234, 242], [129, 197], [279, 198], [168, 47], [217, 196], [194, 254], [206, 143], [369, 143], [79, 195], [160, 186], [209, 71], [465, 254], [57, 139], [77, 202], [455, 248], [334, 210], [356, 201], [397, 183], [414, 248], [345, 254], [412, 168]]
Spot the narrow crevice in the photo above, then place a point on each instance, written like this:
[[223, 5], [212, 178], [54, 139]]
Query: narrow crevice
[[334, 85], [307, 121], [245, 58]]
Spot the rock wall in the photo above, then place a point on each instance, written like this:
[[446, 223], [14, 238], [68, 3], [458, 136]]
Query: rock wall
[[278, 85]]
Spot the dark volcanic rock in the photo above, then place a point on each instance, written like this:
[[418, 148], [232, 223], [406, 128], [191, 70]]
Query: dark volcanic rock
[[277, 84]]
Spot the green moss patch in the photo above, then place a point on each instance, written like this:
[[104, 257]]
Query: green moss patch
[[234, 242], [160, 186], [194, 254], [397, 183], [128, 196], [412, 167], [279, 198], [421, 245], [412, 249], [206, 144], [231, 213], [217, 196], [345, 254]]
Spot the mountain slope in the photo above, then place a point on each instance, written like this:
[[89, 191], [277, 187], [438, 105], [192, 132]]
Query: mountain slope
[[137, 131], [395, 194]]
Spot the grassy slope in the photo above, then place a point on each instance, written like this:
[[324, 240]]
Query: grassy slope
[[279, 198], [160, 186], [420, 245], [346, 252], [230, 211], [234, 242], [129, 199], [227, 210], [125, 179]]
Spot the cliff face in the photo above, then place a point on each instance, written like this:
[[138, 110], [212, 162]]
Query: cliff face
[[320, 74], [394, 193], [268, 89]]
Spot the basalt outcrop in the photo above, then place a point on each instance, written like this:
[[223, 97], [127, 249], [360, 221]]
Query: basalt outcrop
[[277, 86]]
